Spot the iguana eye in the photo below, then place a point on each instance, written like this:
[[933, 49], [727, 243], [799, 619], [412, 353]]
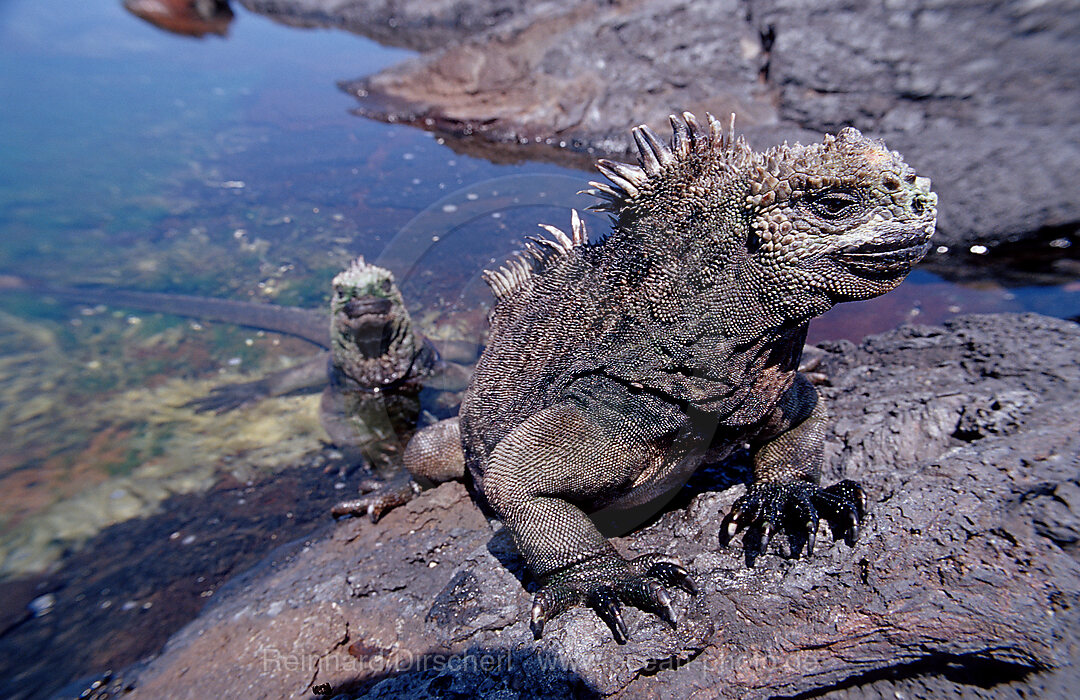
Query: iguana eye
[[833, 204]]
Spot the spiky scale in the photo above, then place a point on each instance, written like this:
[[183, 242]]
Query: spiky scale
[[651, 152], [632, 173], [549, 246], [611, 170], [699, 133], [577, 226], [561, 237], [605, 190], [716, 132], [680, 137], [660, 149]]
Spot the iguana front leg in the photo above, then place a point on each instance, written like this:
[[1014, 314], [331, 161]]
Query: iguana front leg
[[787, 467], [432, 456], [538, 479]]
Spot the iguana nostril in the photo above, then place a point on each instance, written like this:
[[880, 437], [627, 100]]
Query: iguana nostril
[[918, 204]]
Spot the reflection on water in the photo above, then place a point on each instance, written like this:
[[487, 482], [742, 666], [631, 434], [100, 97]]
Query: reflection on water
[[139, 159], [184, 17]]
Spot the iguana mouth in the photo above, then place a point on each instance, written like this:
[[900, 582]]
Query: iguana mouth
[[367, 306], [878, 259]]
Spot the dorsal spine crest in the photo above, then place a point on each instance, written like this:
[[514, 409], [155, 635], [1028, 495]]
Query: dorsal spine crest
[[689, 139], [540, 254]]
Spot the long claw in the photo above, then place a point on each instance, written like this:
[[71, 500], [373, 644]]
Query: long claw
[[537, 620], [606, 604], [852, 532], [678, 570], [663, 604], [605, 585], [731, 525], [672, 574], [771, 506], [811, 537], [766, 535], [732, 528]]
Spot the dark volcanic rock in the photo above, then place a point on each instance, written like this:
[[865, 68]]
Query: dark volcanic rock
[[981, 97], [411, 24], [966, 578]]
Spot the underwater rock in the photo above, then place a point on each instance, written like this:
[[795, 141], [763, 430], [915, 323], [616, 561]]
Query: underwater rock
[[119, 597], [965, 579]]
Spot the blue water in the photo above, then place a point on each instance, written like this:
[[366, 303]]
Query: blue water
[[106, 119], [118, 139], [231, 167]]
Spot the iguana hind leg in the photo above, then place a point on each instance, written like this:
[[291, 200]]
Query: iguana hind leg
[[537, 480], [309, 375], [787, 467]]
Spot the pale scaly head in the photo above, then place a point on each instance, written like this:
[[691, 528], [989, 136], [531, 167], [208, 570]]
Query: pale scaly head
[[372, 340], [846, 218], [790, 231]]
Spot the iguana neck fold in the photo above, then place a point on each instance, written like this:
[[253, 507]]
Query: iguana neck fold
[[693, 266]]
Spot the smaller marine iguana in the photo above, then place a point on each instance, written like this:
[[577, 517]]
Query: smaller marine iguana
[[371, 371], [615, 368]]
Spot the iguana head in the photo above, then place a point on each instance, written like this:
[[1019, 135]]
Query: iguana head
[[371, 334], [786, 233], [846, 217]]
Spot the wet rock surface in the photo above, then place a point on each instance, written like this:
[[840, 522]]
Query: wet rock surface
[[119, 597], [981, 98], [965, 581]]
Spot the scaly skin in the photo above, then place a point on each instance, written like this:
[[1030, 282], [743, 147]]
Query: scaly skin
[[614, 369], [373, 373]]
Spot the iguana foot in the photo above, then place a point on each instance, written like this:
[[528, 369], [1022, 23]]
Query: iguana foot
[[797, 507], [374, 505], [605, 584]]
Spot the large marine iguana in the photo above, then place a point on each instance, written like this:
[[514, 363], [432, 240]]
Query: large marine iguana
[[615, 368], [373, 365]]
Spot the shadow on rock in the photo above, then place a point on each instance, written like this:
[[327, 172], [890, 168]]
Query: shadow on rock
[[472, 673]]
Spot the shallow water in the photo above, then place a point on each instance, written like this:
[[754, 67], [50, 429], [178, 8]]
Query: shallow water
[[232, 167]]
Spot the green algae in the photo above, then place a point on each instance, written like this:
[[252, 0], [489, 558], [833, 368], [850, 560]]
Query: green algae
[[95, 412]]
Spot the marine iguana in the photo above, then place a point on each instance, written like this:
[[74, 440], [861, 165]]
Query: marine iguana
[[371, 371], [615, 368]]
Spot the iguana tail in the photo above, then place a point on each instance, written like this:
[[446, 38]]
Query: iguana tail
[[306, 324]]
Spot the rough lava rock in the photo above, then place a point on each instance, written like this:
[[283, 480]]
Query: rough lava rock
[[981, 97], [966, 578]]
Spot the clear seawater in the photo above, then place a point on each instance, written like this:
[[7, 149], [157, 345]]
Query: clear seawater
[[232, 167]]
